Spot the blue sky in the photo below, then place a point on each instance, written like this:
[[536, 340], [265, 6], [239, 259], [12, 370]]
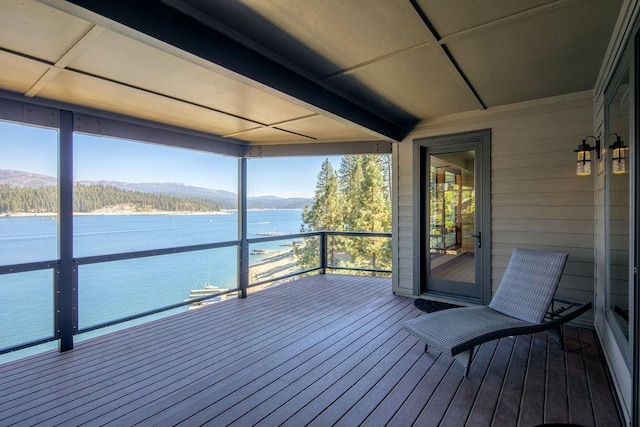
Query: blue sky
[[34, 150]]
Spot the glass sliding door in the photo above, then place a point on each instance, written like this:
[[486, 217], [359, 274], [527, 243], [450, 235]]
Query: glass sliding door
[[617, 208], [617, 298]]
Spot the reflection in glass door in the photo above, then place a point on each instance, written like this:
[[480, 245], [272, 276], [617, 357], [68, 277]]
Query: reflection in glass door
[[454, 219], [617, 202]]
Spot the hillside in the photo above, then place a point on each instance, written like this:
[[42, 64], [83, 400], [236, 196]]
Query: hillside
[[169, 188], [25, 179], [210, 198]]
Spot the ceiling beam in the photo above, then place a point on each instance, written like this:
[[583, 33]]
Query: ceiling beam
[[319, 149], [167, 24]]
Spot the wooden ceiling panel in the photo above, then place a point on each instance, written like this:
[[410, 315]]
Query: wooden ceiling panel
[[18, 74], [325, 129], [378, 65], [91, 92], [322, 36], [417, 84], [39, 31], [451, 16], [121, 59], [545, 55]]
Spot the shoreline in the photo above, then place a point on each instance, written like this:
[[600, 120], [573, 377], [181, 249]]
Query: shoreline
[[109, 212], [277, 264]]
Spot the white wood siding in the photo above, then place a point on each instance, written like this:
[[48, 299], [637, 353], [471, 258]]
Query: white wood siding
[[537, 200]]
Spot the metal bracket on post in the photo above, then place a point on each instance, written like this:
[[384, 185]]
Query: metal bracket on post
[[254, 151], [383, 147]]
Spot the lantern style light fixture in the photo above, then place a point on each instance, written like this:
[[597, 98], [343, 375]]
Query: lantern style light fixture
[[583, 164], [619, 156]]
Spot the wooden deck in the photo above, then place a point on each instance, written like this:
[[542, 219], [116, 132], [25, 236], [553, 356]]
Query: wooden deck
[[324, 350]]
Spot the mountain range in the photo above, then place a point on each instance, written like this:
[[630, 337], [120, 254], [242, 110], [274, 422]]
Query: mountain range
[[226, 199]]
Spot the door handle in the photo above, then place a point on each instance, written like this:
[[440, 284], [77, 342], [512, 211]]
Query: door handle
[[479, 237]]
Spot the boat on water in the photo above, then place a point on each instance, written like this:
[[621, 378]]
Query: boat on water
[[269, 233], [207, 290], [261, 252]]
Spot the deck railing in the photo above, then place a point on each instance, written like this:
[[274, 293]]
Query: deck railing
[[331, 248]]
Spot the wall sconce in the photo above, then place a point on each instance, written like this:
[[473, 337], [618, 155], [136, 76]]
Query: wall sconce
[[583, 165], [619, 156]]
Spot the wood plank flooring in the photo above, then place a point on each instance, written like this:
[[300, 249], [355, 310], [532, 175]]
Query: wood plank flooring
[[322, 350], [459, 268]]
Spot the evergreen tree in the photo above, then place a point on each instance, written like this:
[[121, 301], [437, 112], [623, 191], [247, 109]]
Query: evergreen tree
[[325, 213], [89, 198], [360, 201], [385, 165], [351, 177], [373, 214]]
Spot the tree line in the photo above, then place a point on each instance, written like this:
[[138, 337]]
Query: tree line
[[90, 198], [357, 197]]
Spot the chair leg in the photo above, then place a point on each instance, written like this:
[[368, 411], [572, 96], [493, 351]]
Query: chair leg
[[556, 335], [465, 359]]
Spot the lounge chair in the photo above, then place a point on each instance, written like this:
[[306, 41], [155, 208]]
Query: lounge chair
[[523, 304]]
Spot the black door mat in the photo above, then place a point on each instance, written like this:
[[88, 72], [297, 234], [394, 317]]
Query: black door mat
[[429, 306]]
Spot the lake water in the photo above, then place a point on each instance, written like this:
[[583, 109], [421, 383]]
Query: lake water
[[112, 290]]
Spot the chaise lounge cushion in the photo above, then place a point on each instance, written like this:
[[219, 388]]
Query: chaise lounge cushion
[[458, 329], [528, 284]]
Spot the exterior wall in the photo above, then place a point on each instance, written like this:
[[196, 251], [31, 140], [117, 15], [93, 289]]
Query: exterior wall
[[537, 200]]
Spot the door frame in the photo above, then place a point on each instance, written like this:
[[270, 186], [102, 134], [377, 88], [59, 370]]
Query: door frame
[[483, 216]]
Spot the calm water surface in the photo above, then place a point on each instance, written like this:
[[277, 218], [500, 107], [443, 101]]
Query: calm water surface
[[109, 291]]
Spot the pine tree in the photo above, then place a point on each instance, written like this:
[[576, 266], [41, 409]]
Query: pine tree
[[361, 201], [88, 198], [373, 214], [325, 213], [351, 177]]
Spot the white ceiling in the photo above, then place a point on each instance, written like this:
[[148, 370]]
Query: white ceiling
[[401, 61]]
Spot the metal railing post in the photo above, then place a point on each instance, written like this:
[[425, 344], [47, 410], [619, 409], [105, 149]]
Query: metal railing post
[[56, 301], [74, 297], [66, 290], [323, 252], [243, 252]]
